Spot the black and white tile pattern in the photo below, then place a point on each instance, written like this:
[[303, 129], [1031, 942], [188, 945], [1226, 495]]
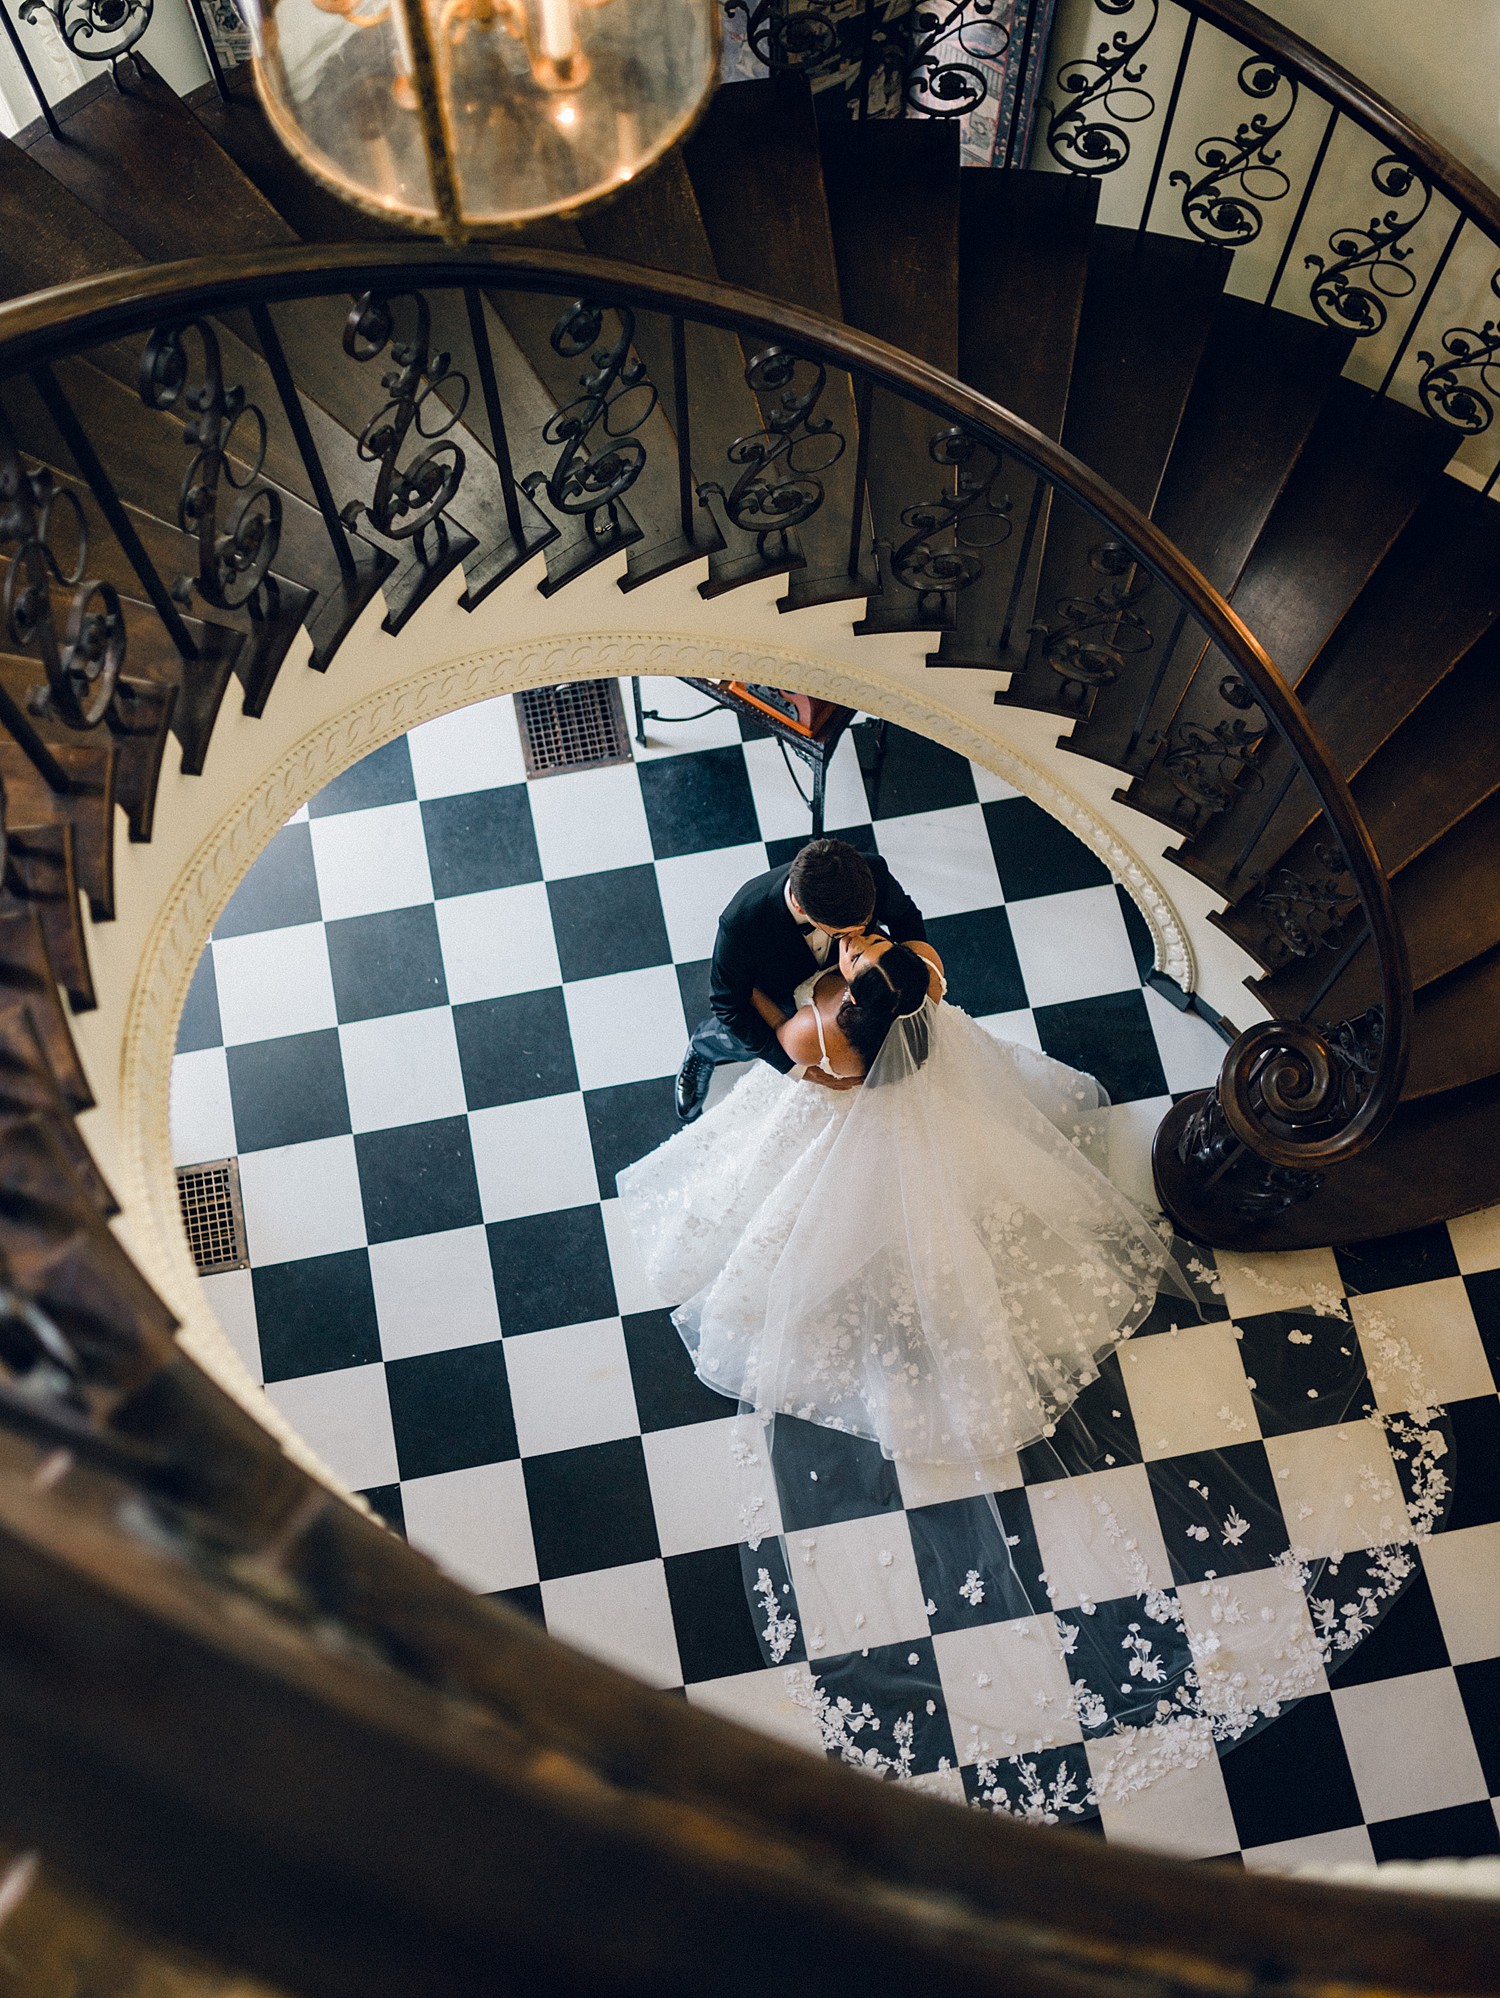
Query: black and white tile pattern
[[446, 1007]]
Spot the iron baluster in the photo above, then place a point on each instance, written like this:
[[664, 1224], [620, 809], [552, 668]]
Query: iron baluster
[[19, 50], [83, 661], [864, 399], [1416, 318], [408, 499], [943, 78], [1108, 83], [1377, 251], [971, 512], [1210, 765], [1040, 497], [1336, 970], [210, 51], [296, 416], [1168, 122], [1302, 206], [1099, 633], [687, 497], [527, 529], [1305, 914], [779, 485], [800, 40], [1271, 807], [1163, 660], [1224, 204], [590, 479], [1466, 351], [94, 30]]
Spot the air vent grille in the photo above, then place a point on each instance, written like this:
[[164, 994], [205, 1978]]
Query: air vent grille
[[580, 726], [212, 1215]]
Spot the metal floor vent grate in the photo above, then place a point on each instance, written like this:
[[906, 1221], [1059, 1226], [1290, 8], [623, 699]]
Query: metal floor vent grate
[[212, 1215], [580, 726]]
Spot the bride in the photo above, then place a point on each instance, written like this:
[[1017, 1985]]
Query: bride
[[928, 1253]]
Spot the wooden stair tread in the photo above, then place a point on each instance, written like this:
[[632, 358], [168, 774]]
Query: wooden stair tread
[[1456, 1030]]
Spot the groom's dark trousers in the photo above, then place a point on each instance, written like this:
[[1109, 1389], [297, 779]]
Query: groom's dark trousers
[[760, 943]]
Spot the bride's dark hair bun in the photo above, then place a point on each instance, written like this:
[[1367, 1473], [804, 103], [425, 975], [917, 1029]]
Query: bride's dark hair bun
[[893, 986]]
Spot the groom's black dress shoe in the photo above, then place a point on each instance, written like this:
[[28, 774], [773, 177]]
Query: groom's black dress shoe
[[692, 1086]]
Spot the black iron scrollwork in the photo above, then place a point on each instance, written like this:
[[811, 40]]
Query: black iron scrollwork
[[94, 30], [1241, 177], [784, 38], [589, 479], [1305, 913], [944, 78], [1377, 254], [1086, 134], [1209, 767], [234, 564], [1097, 635], [977, 518], [1468, 351], [779, 484], [409, 499], [1245, 1186], [83, 661]]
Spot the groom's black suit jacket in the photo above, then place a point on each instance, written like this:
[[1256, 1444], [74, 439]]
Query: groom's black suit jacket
[[759, 943]]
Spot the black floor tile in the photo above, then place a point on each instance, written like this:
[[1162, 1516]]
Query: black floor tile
[[626, 1122], [480, 840], [693, 984], [1474, 1462], [1110, 1037], [960, 1538], [609, 922], [381, 778], [1464, 1831], [551, 1269], [823, 1475], [590, 1508], [1479, 1685], [385, 1500], [1309, 1372], [451, 1411], [914, 1701], [1418, 1256], [861, 838], [1218, 1511], [387, 963], [417, 1179], [1142, 949], [716, 1633], [1484, 1301], [527, 1599], [698, 801], [1292, 1778], [288, 1091], [914, 775], [1051, 1786], [199, 1026], [515, 1049], [281, 888], [315, 1315], [1124, 1659], [1035, 854], [979, 958], [1407, 1636], [667, 1391], [1096, 1432]]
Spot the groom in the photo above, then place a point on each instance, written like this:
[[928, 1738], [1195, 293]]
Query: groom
[[779, 929]]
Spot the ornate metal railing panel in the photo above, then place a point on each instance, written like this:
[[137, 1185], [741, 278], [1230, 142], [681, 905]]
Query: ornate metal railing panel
[[1400, 249]]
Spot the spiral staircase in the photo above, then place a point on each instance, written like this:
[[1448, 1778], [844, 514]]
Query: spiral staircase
[[1024, 461]]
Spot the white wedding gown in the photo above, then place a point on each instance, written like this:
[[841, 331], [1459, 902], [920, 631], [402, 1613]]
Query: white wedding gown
[[935, 1261]]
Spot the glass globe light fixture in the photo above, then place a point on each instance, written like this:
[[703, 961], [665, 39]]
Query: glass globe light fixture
[[468, 115]]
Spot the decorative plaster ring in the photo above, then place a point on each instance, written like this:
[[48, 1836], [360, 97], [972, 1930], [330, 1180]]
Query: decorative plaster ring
[[202, 890]]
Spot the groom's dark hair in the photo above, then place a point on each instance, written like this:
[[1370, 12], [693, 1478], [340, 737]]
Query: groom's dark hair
[[832, 883]]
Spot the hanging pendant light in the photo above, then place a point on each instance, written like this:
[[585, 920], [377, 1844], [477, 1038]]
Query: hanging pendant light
[[468, 115]]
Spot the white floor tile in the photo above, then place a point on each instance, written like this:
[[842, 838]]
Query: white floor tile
[[1409, 1745], [699, 1491], [475, 1523], [626, 1028], [1191, 1052], [202, 1114], [1099, 1536], [1185, 1811], [301, 1200], [274, 982], [622, 1615], [1340, 1490], [1132, 1130], [1280, 1282], [497, 942], [1463, 1572], [1187, 1390], [402, 1069], [589, 820], [1006, 1688], [346, 1418], [785, 815], [694, 891], [943, 860], [714, 730], [991, 788], [632, 1290], [1348, 1847], [857, 1583], [434, 1292], [533, 1158], [1420, 1341], [1251, 1630], [571, 1386], [371, 860], [1073, 946], [231, 1298], [1018, 1026], [766, 1701], [1476, 1240], [475, 749]]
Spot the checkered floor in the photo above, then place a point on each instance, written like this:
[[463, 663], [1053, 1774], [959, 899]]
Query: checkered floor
[[433, 1026]]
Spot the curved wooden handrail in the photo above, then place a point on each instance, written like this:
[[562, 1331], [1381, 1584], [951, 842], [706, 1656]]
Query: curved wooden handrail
[[1472, 196], [67, 318]]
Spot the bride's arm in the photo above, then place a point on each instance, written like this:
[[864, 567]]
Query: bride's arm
[[937, 983]]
